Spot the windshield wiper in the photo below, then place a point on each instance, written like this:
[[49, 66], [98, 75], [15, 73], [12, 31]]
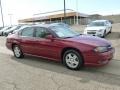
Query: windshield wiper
[[78, 34]]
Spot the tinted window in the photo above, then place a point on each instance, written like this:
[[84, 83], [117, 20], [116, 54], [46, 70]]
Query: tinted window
[[28, 32], [41, 32]]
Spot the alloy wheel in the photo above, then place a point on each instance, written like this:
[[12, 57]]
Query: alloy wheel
[[72, 60]]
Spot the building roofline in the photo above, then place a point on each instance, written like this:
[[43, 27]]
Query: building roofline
[[53, 16]]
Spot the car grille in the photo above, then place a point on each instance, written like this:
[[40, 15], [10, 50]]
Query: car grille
[[91, 32]]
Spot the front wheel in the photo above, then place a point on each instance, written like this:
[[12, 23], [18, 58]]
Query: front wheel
[[104, 34], [72, 60], [17, 52], [110, 30]]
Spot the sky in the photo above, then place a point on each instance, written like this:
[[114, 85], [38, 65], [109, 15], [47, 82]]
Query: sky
[[20, 9]]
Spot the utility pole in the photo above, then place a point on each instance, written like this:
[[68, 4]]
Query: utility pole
[[10, 19], [64, 11], [1, 14], [77, 14]]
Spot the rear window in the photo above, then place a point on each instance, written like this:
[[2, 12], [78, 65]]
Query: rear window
[[28, 32]]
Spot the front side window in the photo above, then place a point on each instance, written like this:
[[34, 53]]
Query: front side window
[[28, 31], [41, 32]]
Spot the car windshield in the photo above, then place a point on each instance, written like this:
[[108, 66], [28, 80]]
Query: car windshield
[[64, 32], [96, 24]]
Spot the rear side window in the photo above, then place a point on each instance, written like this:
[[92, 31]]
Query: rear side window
[[28, 31]]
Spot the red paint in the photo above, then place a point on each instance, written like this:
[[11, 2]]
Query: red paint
[[52, 48]]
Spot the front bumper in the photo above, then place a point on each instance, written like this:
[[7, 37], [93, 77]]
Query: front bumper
[[9, 45], [99, 59], [94, 33]]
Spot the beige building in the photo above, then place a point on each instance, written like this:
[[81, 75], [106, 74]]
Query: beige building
[[57, 16]]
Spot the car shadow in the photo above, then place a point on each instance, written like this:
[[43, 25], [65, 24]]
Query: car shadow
[[86, 73], [113, 36]]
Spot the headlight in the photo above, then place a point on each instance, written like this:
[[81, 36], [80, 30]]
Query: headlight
[[101, 49], [85, 32], [100, 30]]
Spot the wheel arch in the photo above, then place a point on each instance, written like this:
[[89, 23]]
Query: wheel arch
[[13, 44], [71, 48], [21, 52]]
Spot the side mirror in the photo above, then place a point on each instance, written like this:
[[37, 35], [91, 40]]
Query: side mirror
[[49, 37]]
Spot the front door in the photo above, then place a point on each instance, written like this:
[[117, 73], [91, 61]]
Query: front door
[[46, 47]]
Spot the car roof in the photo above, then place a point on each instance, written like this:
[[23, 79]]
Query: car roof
[[50, 25], [43, 25], [100, 21]]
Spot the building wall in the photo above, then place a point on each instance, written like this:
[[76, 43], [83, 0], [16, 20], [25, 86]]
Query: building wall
[[69, 20]]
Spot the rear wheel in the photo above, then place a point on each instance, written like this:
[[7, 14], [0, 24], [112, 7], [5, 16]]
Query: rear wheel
[[72, 60], [5, 34], [2, 34], [17, 51]]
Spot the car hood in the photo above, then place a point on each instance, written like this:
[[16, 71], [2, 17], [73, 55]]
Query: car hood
[[90, 40], [95, 28]]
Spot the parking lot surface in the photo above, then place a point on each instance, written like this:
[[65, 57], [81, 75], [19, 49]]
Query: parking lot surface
[[33, 73]]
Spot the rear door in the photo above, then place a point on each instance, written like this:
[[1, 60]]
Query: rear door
[[27, 40]]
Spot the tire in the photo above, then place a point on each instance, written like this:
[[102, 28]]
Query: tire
[[5, 34], [110, 30], [17, 51], [76, 61], [2, 34], [104, 34]]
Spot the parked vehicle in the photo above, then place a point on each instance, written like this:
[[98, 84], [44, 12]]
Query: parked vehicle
[[60, 43], [98, 28], [17, 30], [6, 32], [3, 29]]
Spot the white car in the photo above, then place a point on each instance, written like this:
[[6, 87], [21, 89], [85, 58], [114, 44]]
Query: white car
[[98, 28]]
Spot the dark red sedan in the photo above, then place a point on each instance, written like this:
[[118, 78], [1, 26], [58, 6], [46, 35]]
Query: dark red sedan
[[58, 42]]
